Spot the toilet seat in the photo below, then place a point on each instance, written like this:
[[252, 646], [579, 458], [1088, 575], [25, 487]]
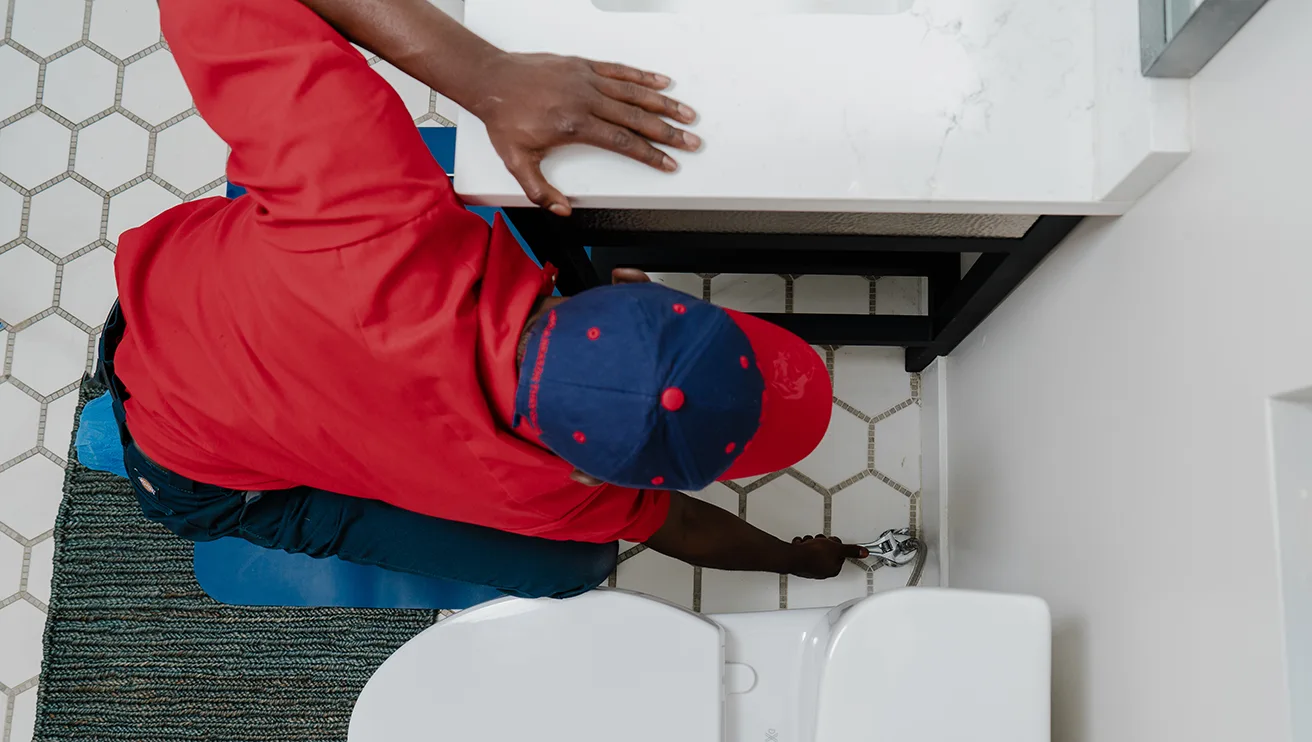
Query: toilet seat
[[518, 669]]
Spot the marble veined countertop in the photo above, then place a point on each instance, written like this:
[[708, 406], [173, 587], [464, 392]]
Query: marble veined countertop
[[929, 106]]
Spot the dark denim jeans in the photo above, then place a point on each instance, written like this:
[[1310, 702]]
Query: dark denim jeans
[[321, 524]]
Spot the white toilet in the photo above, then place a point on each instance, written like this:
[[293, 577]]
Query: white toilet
[[919, 664]]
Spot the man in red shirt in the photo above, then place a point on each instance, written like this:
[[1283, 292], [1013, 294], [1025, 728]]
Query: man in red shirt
[[347, 362]]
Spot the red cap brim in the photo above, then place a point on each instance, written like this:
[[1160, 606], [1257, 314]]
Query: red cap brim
[[797, 404]]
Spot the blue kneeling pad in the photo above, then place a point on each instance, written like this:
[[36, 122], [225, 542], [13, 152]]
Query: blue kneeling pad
[[237, 572]]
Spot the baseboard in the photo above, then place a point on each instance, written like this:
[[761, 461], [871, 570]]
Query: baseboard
[[934, 484]]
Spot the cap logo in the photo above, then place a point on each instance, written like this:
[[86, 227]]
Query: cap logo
[[790, 386], [536, 381]]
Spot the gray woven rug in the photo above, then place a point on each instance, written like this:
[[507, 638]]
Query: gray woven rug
[[134, 650]]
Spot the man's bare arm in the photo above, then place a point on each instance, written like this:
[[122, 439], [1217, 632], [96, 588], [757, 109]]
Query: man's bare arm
[[704, 535]]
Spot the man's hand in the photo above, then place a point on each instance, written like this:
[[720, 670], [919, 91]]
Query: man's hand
[[532, 103], [821, 557]]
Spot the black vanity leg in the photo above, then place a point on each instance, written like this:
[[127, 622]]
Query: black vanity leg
[[553, 241], [989, 281]]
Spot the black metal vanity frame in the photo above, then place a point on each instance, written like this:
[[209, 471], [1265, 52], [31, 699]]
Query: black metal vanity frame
[[957, 304]]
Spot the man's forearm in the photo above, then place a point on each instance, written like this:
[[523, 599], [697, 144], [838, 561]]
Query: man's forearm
[[417, 38], [704, 535]]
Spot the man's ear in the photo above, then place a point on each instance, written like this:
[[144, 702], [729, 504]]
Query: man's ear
[[585, 478], [628, 275]]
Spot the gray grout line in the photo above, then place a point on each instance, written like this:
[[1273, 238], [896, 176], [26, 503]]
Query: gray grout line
[[9, 353], [24, 686], [40, 84], [886, 480], [852, 410]]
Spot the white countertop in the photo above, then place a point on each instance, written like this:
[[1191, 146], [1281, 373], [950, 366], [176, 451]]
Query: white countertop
[[951, 106]]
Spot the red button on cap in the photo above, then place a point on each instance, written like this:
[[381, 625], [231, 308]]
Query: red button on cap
[[658, 481], [672, 398], [680, 309]]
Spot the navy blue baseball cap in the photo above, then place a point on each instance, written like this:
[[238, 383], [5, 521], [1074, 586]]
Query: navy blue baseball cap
[[642, 386]]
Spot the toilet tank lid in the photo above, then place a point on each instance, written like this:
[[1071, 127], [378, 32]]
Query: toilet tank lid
[[605, 665], [932, 664]]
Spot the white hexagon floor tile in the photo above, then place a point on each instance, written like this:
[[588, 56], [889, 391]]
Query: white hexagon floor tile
[[27, 284], [23, 725], [24, 622], [189, 154], [897, 447], [65, 217], [749, 293], [861, 512], [50, 354], [124, 27], [11, 566], [844, 451], [136, 206], [739, 592], [111, 151], [873, 380], [153, 88], [19, 73], [831, 295], [87, 290], [34, 149], [80, 84], [786, 508], [20, 415], [46, 26], [30, 492], [60, 416], [11, 213], [656, 574]]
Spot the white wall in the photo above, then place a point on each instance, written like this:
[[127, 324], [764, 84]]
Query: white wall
[[1107, 425]]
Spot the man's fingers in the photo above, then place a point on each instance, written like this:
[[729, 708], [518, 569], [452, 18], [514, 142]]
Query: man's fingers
[[631, 74], [528, 172], [628, 143], [649, 125], [852, 551], [647, 99]]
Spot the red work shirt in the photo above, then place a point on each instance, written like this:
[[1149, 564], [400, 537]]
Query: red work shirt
[[348, 325]]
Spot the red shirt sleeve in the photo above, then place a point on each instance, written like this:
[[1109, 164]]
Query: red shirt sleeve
[[323, 144], [611, 513]]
